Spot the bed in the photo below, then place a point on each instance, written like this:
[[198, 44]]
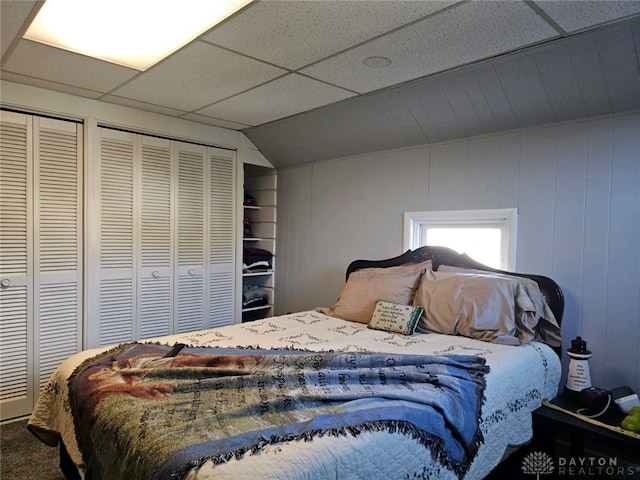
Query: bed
[[428, 365]]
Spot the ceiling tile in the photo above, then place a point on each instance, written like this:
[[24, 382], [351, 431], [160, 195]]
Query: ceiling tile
[[295, 34], [280, 98], [573, 16], [196, 76], [13, 15], [63, 67], [456, 37]]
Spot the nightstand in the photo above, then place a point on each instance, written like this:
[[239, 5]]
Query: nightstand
[[582, 449]]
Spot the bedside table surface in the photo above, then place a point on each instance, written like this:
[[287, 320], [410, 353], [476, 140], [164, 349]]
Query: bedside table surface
[[612, 417]]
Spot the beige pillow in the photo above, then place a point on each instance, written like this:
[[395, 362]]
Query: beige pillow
[[364, 287], [538, 323], [395, 317], [475, 306]]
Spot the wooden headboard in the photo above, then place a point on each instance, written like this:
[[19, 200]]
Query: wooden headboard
[[445, 256]]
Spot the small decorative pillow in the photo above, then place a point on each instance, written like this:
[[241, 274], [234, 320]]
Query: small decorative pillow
[[395, 317]]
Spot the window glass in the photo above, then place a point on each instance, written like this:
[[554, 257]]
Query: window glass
[[487, 236]]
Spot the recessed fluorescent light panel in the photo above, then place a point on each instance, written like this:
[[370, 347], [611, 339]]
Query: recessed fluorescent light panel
[[133, 33]]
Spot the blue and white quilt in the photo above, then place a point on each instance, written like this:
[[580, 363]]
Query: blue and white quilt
[[314, 397]]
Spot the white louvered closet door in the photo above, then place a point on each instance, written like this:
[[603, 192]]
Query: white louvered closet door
[[112, 298], [57, 243], [191, 268], [161, 241], [156, 226], [16, 264], [40, 253], [222, 262]]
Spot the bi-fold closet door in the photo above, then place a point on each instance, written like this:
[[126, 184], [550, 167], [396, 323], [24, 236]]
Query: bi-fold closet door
[[161, 238], [40, 253]]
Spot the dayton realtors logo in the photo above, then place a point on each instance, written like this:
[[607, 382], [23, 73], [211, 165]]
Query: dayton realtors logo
[[539, 463]]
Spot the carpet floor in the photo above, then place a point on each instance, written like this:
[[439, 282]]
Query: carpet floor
[[24, 457]]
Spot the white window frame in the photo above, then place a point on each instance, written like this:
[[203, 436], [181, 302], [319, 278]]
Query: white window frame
[[504, 218]]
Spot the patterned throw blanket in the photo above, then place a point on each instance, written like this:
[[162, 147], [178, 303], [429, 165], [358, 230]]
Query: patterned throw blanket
[[148, 411]]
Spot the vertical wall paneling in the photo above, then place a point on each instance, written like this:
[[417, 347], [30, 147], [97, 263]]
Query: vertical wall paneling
[[373, 184], [509, 172], [477, 178], [492, 175], [593, 312], [623, 287], [569, 218], [386, 190], [536, 192], [294, 237], [575, 185], [40, 253], [330, 206], [450, 163], [412, 184]]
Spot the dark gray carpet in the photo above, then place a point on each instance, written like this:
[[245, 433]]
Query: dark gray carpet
[[24, 457]]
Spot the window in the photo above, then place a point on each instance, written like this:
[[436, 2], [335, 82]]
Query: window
[[487, 236]]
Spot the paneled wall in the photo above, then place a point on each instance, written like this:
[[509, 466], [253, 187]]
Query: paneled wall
[[577, 188]]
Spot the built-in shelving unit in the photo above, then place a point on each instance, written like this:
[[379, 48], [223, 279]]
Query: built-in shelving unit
[[258, 242]]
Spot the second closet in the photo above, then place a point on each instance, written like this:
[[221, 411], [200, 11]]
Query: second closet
[[160, 237]]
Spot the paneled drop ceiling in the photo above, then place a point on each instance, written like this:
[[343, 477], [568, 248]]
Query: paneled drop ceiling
[[293, 75]]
